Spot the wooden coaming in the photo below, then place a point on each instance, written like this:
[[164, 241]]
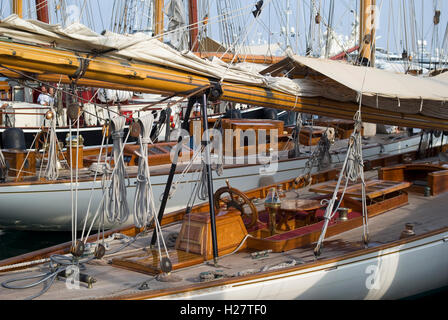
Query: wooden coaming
[[435, 175], [16, 159], [195, 234], [438, 181]]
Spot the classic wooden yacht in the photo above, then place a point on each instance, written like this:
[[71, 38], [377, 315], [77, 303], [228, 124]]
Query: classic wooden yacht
[[28, 197], [22, 197]]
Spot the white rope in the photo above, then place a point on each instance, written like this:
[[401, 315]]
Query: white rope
[[203, 186], [104, 204], [51, 171], [142, 205], [23, 264], [117, 208], [196, 152], [43, 155], [348, 175]]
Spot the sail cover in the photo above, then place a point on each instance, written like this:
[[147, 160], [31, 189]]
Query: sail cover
[[144, 48], [138, 46], [302, 76]]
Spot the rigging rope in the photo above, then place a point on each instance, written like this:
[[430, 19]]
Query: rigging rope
[[59, 264], [104, 168], [317, 159], [352, 170]]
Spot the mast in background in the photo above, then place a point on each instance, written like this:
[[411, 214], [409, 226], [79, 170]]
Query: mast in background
[[367, 14], [42, 11], [194, 26], [158, 19], [288, 12], [367, 48], [17, 8]]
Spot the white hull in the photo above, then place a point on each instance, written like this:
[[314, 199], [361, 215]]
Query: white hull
[[396, 272], [49, 206]]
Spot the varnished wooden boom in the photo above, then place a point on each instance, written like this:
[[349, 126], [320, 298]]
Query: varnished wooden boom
[[165, 80]]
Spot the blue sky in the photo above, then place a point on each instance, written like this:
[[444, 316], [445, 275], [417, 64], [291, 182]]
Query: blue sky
[[390, 34]]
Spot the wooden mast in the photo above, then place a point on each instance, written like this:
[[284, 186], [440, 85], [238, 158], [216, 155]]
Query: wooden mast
[[194, 26], [158, 19], [42, 11], [17, 8], [367, 15]]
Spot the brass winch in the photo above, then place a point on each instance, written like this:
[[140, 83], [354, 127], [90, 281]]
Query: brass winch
[[408, 231]]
